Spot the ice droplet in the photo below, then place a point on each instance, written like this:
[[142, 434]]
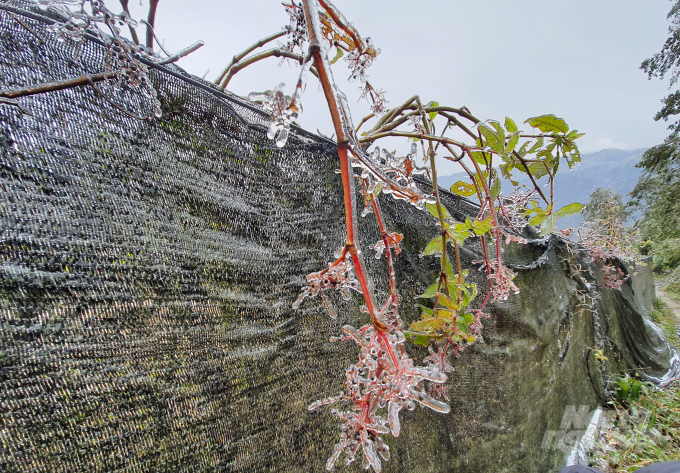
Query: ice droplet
[[282, 137]]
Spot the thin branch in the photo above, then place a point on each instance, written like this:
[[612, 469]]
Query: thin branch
[[182, 53], [363, 120], [110, 102], [133, 32], [458, 124], [160, 45], [440, 212], [463, 112], [245, 52], [533, 181], [386, 123], [153, 4], [371, 138], [258, 57], [14, 103], [393, 113], [335, 108], [54, 86], [28, 28]]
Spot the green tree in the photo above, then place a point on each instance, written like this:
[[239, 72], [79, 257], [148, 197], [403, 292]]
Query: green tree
[[668, 61], [605, 203], [658, 187], [657, 191]]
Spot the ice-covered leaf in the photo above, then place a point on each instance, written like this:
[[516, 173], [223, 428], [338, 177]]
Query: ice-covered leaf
[[538, 145], [512, 143], [510, 125], [496, 189], [432, 115], [432, 208], [547, 226], [548, 124], [429, 292], [435, 246], [338, 55], [538, 218], [418, 339], [483, 226], [445, 301], [492, 140], [570, 209], [463, 188]]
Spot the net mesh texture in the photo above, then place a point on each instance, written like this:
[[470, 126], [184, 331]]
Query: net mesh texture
[[147, 273]]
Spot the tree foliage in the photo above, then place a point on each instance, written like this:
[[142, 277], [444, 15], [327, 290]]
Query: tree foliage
[[667, 61], [657, 189], [604, 203]]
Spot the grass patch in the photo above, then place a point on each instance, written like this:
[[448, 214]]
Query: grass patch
[[643, 431], [664, 318]]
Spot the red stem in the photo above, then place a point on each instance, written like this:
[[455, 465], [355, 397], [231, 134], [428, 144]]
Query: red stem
[[352, 244]]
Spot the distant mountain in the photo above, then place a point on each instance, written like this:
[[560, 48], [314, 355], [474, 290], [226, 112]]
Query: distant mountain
[[613, 168]]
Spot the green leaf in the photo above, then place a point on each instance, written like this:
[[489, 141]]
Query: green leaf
[[432, 115], [449, 268], [652, 421], [510, 125], [500, 132], [514, 139], [433, 211], [492, 140], [444, 301], [570, 209], [480, 228], [538, 145], [538, 218], [547, 226], [463, 188], [635, 388], [435, 246], [427, 325], [538, 170], [574, 135], [338, 55], [429, 292], [548, 124], [461, 325], [496, 189], [459, 235], [480, 157], [523, 151], [418, 339], [426, 310]]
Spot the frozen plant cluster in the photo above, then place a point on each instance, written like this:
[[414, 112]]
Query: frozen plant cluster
[[122, 56], [383, 378]]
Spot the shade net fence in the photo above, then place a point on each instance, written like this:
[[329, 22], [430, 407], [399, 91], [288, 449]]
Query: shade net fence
[[147, 273]]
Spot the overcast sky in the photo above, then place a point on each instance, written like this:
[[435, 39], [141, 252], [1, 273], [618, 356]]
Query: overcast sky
[[577, 59]]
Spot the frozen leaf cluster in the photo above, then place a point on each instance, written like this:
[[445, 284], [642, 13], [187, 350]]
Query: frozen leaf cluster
[[501, 278], [122, 57], [338, 275], [297, 29], [283, 111], [379, 386]]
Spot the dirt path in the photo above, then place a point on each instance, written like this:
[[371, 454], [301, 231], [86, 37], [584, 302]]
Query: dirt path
[[672, 304]]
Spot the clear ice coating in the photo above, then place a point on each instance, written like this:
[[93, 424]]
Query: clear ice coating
[[384, 377], [122, 57], [283, 109]]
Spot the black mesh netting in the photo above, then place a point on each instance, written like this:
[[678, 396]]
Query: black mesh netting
[[147, 272]]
